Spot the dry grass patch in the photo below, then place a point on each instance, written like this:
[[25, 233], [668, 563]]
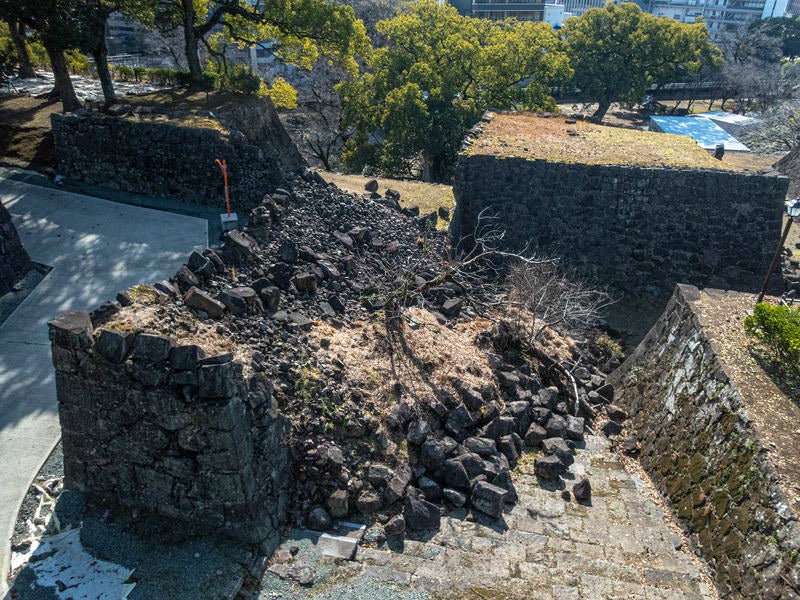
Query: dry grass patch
[[423, 356], [428, 196], [525, 135], [748, 161], [148, 315]]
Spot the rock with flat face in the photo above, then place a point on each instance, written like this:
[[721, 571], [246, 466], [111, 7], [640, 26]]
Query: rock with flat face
[[420, 515], [488, 499], [199, 300]]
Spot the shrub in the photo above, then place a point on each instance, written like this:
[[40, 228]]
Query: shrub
[[77, 63], [211, 80], [240, 78], [779, 328], [38, 55], [282, 94]]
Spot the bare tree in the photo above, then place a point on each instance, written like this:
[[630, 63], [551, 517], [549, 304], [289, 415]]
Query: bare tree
[[552, 299], [491, 279], [523, 293]]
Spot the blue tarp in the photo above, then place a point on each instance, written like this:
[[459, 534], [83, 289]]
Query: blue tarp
[[703, 131]]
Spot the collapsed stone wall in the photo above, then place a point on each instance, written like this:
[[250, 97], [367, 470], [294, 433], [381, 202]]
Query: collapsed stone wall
[[168, 160], [14, 260], [638, 230], [702, 451], [150, 424]]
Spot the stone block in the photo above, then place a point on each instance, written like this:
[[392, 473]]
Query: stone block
[[64, 359], [488, 499], [216, 381], [72, 329], [548, 467], [184, 358], [152, 348], [114, 346], [420, 515], [575, 427], [200, 300]]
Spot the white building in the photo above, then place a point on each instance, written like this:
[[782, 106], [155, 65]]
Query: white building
[[718, 15], [524, 10]]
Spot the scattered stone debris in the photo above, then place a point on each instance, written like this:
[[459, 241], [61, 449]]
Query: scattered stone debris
[[312, 254]]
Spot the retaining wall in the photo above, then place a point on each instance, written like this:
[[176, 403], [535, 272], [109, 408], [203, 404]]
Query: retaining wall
[[167, 160], [704, 454], [150, 424], [14, 260], [638, 230]]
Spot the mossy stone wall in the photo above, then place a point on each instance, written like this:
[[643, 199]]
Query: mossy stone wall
[[703, 453]]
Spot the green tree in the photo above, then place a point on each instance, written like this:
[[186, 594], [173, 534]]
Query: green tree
[[431, 83], [783, 32], [300, 31], [17, 32], [618, 51], [54, 23]]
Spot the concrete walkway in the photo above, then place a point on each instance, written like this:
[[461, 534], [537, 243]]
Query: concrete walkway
[[96, 248]]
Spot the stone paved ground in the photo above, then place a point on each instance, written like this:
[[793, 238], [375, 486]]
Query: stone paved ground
[[622, 546]]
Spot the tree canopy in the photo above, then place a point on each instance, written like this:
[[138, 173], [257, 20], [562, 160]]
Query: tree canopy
[[57, 25], [299, 31], [781, 35], [618, 51], [436, 76]]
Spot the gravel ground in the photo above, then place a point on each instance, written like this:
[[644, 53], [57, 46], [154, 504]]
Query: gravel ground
[[53, 468]]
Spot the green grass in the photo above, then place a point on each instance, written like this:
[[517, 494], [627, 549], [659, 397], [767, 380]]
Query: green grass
[[428, 196]]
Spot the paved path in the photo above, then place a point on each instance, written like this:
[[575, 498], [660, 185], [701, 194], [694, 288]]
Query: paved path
[[96, 248], [620, 547]]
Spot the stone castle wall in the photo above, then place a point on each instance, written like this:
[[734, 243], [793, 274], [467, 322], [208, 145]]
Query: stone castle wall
[[14, 260], [703, 453], [150, 424], [166, 160], [638, 230]]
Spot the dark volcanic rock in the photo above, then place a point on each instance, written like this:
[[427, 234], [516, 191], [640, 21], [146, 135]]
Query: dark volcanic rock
[[582, 490], [488, 499], [420, 515], [548, 467]]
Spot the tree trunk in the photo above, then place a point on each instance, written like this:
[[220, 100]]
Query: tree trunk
[[63, 89], [100, 55], [99, 52], [602, 109], [18, 37], [191, 46]]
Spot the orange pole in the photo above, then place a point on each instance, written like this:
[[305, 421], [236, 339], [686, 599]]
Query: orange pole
[[224, 166]]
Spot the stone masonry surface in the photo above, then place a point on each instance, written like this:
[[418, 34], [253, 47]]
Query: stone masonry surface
[[167, 160], [172, 430], [621, 546], [704, 454], [638, 230], [14, 260]]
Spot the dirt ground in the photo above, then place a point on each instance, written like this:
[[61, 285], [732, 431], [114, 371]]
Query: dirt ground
[[553, 138], [427, 196], [25, 138], [770, 399]]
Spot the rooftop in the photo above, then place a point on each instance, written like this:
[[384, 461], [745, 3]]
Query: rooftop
[[703, 131], [527, 135]]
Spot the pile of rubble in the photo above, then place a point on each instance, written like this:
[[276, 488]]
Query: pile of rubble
[[312, 253]]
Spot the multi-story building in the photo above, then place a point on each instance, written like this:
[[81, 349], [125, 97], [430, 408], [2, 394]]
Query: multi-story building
[[124, 36], [575, 8], [719, 15], [524, 10]]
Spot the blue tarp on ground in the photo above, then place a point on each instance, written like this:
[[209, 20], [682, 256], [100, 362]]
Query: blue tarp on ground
[[703, 131]]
